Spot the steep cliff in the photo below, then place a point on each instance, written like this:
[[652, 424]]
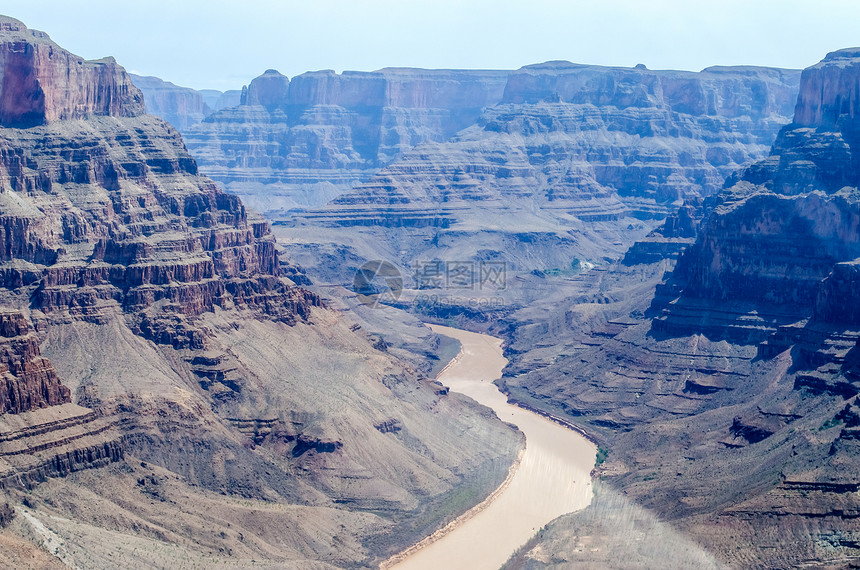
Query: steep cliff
[[179, 106], [565, 134], [305, 141], [213, 391], [43, 83], [30, 381], [727, 393], [574, 164]]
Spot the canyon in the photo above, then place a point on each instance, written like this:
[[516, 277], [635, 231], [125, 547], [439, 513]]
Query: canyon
[[567, 170], [172, 398], [300, 142], [722, 378], [669, 258]]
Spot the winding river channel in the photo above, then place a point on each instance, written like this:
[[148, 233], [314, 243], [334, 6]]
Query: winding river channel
[[551, 479]]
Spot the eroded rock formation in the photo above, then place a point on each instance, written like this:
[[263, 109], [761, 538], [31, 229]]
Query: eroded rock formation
[[729, 404], [29, 381], [198, 373], [304, 141]]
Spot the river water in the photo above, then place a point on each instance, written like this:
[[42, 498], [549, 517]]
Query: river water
[[552, 478]]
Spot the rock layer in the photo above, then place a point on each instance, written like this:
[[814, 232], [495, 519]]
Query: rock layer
[[44, 83], [191, 359], [581, 138], [302, 142], [729, 405], [29, 381], [569, 168]]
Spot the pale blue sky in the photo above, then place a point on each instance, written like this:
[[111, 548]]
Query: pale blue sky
[[222, 45]]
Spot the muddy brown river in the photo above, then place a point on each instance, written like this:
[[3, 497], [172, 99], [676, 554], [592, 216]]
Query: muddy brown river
[[552, 477]]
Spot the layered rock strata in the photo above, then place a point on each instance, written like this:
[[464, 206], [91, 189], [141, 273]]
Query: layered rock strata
[[43, 83], [594, 142], [179, 106], [42, 434], [731, 411], [574, 164], [305, 141], [192, 362]]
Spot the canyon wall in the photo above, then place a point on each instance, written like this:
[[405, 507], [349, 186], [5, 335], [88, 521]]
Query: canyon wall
[[150, 329], [726, 387], [597, 141], [179, 106], [304, 141], [43, 83], [571, 166]]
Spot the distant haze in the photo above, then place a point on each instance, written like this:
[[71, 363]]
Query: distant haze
[[222, 45]]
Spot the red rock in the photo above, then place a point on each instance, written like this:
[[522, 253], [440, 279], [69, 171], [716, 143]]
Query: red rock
[[43, 82], [27, 381]]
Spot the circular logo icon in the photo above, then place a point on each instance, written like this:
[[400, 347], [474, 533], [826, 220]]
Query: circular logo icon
[[377, 282]]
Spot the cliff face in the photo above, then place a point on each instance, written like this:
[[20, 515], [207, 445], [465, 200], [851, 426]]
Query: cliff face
[[785, 222], [730, 404], [269, 90], [44, 83], [179, 106], [828, 94], [303, 142], [162, 305], [566, 132], [30, 381], [572, 165], [182, 107]]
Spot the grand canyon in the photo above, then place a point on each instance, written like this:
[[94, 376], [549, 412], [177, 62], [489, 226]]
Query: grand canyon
[[347, 320]]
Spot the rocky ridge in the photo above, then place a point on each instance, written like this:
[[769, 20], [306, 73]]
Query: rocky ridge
[[304, 141], [193, 370], [726, 390]]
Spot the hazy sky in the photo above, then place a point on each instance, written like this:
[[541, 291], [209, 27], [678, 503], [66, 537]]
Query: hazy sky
[[223, 45]]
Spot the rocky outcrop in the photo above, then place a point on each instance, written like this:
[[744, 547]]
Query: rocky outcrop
[[269, 90], [730, 406], [54, 442], [29, 381], [193, 249], [598, 142], [782, 239], [828, 94], [305, 141], [197, 366], [43, 83], [42, 434], [179, 106]]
